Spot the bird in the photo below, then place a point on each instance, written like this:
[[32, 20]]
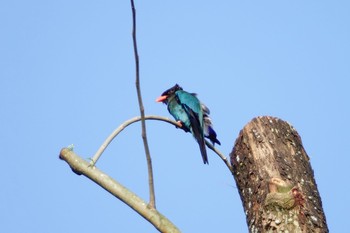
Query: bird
[[191, 115]]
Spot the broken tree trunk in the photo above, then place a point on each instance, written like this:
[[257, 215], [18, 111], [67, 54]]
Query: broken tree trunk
[[275, 180]]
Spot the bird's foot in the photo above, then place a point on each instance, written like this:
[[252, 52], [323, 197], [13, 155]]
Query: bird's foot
[[179, 124], [182, 126]]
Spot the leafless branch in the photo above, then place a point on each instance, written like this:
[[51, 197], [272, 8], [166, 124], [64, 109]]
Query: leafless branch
[[125, 124], [151, 117], [152, 201], [82, 167], [223, 157]]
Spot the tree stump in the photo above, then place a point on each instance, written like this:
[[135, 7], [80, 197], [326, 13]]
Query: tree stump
[[275, 179]]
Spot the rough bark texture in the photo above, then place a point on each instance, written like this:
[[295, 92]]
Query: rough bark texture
[[275, 180]]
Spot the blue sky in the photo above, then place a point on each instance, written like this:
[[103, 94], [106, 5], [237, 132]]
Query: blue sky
[[67, 77]]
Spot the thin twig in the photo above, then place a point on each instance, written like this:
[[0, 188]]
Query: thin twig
[[152, 197], [223, 157], [150, 117], [81, 167]]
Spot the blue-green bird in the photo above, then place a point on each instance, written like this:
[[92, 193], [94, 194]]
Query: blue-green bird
[[191, 115]]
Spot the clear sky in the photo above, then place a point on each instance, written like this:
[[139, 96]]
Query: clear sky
[[67, 77]]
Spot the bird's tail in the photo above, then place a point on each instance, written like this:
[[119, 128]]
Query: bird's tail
[[197, 131], [201, 142], [203, 151]]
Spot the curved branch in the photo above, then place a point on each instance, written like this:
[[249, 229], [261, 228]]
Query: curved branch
[[115, 133], [81, 167], [150, 117]]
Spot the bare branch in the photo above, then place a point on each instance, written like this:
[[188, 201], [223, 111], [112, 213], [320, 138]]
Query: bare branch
[[152, 201], [151, 117], [81, 167], [115, 133], [223, 157]]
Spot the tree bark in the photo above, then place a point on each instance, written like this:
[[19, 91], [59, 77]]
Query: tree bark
[[275, 179]]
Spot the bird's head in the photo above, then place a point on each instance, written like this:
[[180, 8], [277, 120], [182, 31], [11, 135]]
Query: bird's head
[[168, 93]]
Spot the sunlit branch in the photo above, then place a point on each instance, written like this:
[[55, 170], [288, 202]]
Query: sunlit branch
[[81, 167], [150, 117]]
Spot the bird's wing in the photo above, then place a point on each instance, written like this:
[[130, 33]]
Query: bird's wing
[[190, 100], [192, 107], [197, 131]]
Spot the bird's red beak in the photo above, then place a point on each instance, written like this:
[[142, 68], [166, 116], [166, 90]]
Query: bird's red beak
[[161, 98]]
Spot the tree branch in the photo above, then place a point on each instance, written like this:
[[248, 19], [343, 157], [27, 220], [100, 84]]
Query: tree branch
[[223, 157], [81, 167], [115, 133], [152, 201]]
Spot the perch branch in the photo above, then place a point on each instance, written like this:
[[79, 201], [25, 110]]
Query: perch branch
[[152, 201], [115, 133], [81, 167], [151, 117]]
